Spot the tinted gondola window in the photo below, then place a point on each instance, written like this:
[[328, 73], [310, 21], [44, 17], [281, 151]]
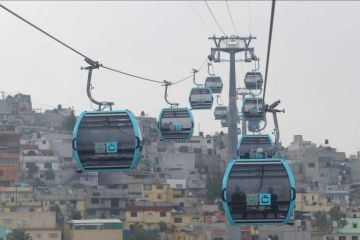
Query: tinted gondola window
[[253, 80], [255, 146], [176, 123], [258, 192], [106, 141], [201, 98]]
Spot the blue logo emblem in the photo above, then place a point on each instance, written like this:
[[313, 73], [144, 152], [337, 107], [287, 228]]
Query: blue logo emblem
[[111, 147], [264, 199], [178, 127]]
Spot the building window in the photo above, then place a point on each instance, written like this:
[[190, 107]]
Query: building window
[[311, 165], [208, 141], [147, 187], [133, 214], [1, 173], [159, 196], [48, 165], [7, 221], [162, 214], [177, 220], [197, 150], [354, 225], [159, 187], [38, 235], [132, 227], [209, 151], [178, 186], [149, 215], [95, 201], [53, 235], [355, 238], [342, 237]]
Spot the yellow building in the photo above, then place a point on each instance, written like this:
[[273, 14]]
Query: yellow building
[[94, 229], [16, 194], [147, 216], [311, 202], [78, 204], [45, 233], [155, 192], [181, 235], [182, 221], [13, 220]]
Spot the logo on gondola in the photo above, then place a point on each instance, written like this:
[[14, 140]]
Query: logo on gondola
[[106, 147], [252, 199], [176, 127], [264, 199]]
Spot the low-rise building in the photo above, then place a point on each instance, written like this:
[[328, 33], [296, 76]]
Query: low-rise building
[[311, 203], [44, 233], [150, 217], [349, 231], [31, 220], [94, 229]]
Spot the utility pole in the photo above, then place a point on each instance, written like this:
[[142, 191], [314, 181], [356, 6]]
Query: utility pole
[[232, 45]]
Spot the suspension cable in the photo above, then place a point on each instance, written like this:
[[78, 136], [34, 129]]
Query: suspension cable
[[269, 47], [87, 59], [231, 18], [216, 21]]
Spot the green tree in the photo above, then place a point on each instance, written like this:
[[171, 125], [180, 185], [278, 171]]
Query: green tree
[[322, 221], [336, 214], [50, 174], [68, 122], [139, 233], [32, 169], [19, 234], [58, 215], [213, 184]]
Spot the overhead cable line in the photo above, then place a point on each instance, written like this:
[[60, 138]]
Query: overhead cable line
[[231, 18], [269, 46], [191, 75], [200, 18], [216, 21], [87, 59], [44, 32]]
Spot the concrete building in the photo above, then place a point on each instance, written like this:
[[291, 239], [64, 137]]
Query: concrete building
[[44, 233], [311, 203], [9, 155], [318, 166], [31, 220], [147, 216], [350, 231], [94, 229]]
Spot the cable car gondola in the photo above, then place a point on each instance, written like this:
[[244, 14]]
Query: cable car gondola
[[253, 80], [221, 112], [255, 147], [214, 83], [105, 140], [174, 122], [258, 192], [201, 98], [252, 109]]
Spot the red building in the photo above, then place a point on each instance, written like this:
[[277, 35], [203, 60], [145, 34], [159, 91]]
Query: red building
[[9, 155]]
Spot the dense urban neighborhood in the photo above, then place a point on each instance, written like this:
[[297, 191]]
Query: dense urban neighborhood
[[174, 193]]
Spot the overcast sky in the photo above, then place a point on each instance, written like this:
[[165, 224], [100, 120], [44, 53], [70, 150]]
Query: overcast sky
[[314, 68]]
